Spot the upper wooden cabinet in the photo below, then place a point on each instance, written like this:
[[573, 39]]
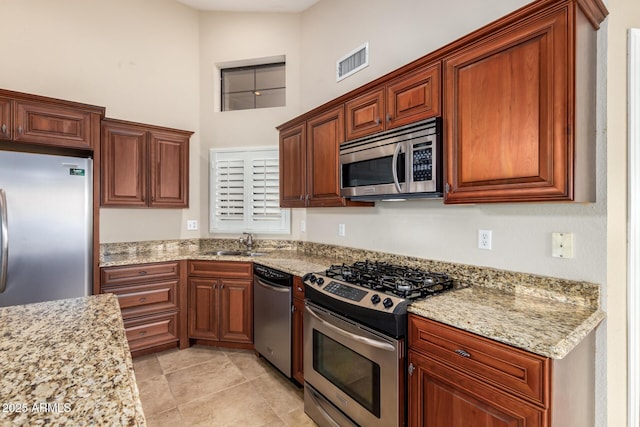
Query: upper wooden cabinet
[[42, 121], [309, 175], [515, 127], [411, 97], [144, 166]]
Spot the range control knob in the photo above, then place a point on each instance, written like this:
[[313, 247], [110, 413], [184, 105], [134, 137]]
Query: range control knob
[[320, 281], [375, 299], [387, 303], [312, 278], [307, 277]]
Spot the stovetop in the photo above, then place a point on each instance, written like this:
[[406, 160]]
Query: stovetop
[[374, 293], [405, 282]]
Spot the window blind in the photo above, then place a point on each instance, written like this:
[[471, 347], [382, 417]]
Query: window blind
[[245, 192]]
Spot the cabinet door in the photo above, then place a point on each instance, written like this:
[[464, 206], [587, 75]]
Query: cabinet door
[[293, 167], [169, 157], [443, 397], [5, 119], [203, 308], [414, 97], [297, 364], [507, 135], [52, 125], [236, 310], [124, 166], [365, 114], [324, 135]]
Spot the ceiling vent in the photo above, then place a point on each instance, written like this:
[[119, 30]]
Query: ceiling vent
[[352, 62]]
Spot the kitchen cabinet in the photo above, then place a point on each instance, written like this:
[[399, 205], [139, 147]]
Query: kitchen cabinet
[[41, 121], [297, 340], [519, 111], [221, 303], [410, 97], [458, 376], [144, 165], [309, 175], [152, 299]]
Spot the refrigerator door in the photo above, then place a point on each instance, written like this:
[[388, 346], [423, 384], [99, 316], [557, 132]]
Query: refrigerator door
[[48, 227]]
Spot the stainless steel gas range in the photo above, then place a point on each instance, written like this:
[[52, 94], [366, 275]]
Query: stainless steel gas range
[[355, 325]]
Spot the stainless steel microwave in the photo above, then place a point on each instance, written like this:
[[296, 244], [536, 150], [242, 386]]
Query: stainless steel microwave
[[405, 162]]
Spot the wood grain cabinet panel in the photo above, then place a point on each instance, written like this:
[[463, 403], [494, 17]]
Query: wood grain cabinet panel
[[408, 98], [511, 110], [293, 166], [6, 126], [152, 300], [221, 302], [297, 339], [144, 165], [309, 175], [56, 125]]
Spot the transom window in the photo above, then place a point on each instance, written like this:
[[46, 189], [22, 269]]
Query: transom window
[[251, 87]]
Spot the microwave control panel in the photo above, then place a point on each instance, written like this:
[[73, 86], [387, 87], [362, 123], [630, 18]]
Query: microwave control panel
[[423, 162]]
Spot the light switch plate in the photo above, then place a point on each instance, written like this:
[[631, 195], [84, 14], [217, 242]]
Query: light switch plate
[[562, 245]]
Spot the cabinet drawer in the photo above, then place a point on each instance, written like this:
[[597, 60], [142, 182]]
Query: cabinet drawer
[[221, 269], [114, 276], [150, 331], [147, 298], [298, 288], [521, 372]]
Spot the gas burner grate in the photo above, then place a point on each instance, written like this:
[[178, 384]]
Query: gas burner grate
[[406, 282]]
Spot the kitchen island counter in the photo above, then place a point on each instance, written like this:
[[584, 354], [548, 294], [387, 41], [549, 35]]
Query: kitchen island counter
[[67, 362]]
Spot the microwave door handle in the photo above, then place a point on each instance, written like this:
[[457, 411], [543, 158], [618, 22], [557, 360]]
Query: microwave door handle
[[394, 167]]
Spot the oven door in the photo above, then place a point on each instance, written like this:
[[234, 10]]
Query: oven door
[[356, 369]]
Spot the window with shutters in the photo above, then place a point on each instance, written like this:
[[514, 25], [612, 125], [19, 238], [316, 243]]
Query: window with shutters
[[245, 192]]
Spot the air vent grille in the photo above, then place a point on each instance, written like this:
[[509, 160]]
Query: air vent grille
[[352, 62]]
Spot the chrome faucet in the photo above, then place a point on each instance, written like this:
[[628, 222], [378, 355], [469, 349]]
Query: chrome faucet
[[247, 241]]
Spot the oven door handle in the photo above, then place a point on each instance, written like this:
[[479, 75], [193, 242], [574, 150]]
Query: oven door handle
[[368, 341]]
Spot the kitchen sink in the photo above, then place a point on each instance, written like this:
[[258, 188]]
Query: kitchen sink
[[236, 253]]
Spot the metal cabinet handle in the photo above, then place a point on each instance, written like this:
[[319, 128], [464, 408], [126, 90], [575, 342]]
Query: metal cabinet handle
[[142, 333], [377, 120], [143, 299], [388, 118], [20, 130], [462, 353], [4, 128], [300, 289], [142, 272]]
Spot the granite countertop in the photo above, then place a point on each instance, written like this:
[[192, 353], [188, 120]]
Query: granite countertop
[[543, 315], [67, 362]]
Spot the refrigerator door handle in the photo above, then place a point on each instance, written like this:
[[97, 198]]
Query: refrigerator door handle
[[4, 234]]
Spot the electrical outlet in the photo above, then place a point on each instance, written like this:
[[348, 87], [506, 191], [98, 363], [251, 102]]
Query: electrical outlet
[[484, 239], [303, 226], [192, 224], [341, 230]]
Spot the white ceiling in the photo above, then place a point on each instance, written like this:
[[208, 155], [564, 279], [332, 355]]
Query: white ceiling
[[251, 5]]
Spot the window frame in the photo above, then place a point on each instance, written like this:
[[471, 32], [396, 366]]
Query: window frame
[[255, 67]]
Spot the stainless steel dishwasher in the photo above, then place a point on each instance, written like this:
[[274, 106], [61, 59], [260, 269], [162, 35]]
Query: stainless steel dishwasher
[[272, 316]]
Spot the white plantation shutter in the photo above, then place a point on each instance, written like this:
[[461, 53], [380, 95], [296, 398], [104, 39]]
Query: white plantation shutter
[[245, 192]]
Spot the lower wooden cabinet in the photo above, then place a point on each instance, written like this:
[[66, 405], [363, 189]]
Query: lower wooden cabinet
[[220, 302], [457, 378], [297, 331], [152, 300]]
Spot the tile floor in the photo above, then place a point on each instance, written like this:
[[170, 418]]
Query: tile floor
[[209, 386]]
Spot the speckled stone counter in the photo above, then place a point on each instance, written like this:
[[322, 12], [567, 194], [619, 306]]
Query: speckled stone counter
[[65, 363], [544, 315]]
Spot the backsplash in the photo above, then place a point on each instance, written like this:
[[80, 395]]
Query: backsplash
[[567, 291]]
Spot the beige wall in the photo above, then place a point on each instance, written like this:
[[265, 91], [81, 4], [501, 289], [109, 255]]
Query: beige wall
[[137, 58]]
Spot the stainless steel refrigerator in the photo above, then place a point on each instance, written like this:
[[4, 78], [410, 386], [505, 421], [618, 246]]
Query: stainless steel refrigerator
[[46, 228]]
